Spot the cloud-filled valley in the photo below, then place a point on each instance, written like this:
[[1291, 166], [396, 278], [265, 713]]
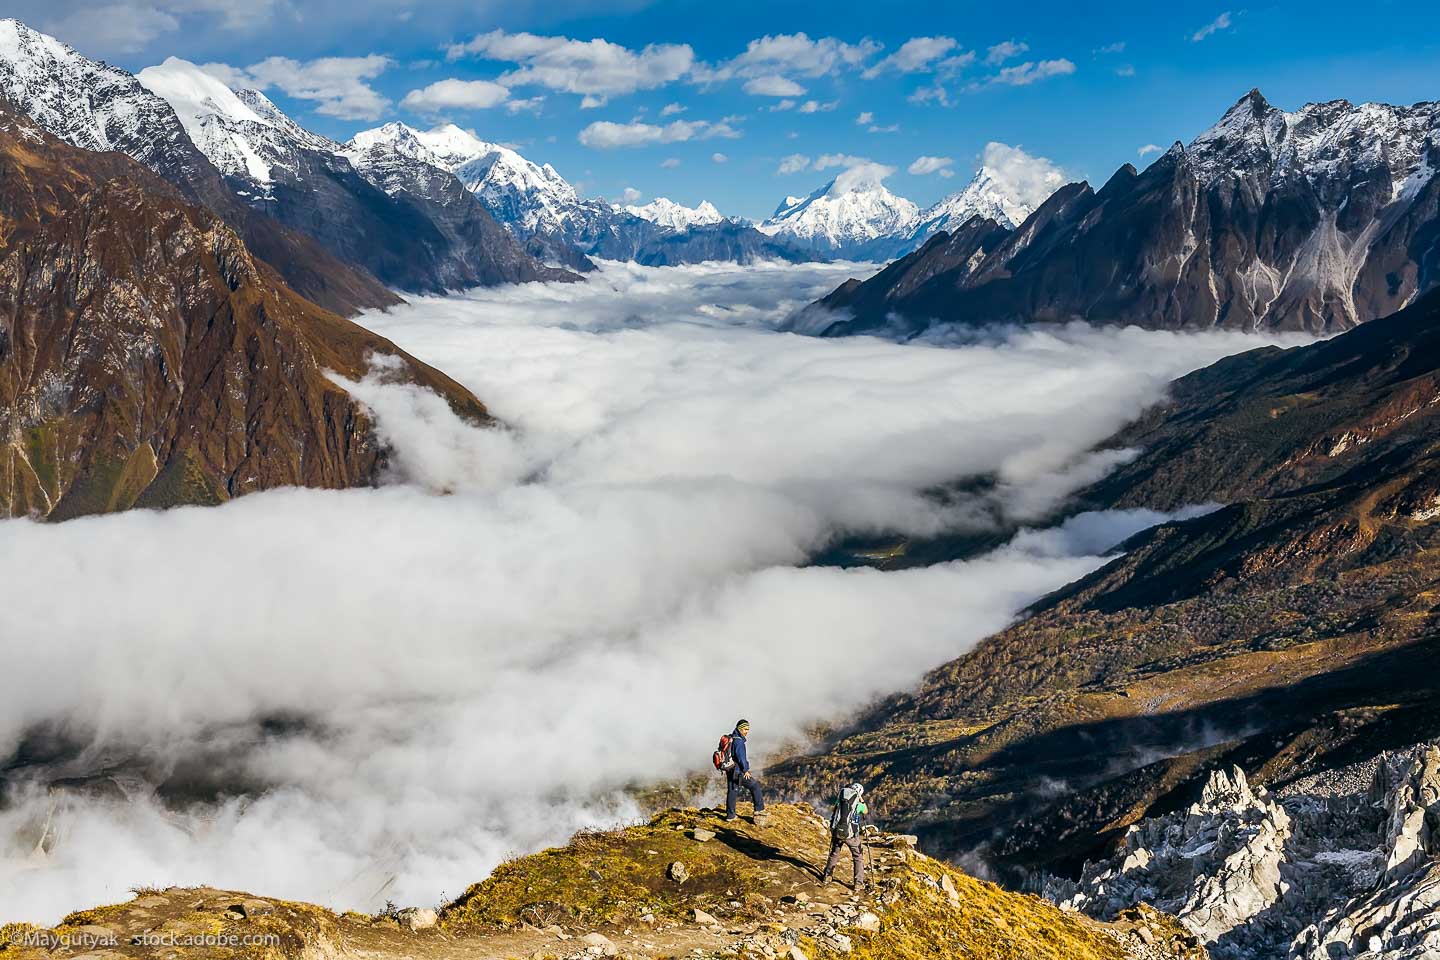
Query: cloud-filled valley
[[379, 694]]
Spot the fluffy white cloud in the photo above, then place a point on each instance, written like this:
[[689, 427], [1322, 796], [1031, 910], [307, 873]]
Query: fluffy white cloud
[[130, 26], [1149, 148], [337, 84], [608, 135], [827, 161], [670, 163], [631, 195], [465, 675], [794, 163], [772, 85], [1109, 48], [816, 106], [1027, 178], [864, 118], [1221, 22], [718, 157], [597, 68], [671, 109], [935, 93], [916, 55], [781, 106], [454, 94], [794, 53], [923, 166], [1024, 74], [1005, 50]]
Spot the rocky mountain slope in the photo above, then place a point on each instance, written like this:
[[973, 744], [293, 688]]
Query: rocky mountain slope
[[94, 106], [1314, 220], [1291, 631], [684, 884], [147, 358], [1336, 866], [407, 221]]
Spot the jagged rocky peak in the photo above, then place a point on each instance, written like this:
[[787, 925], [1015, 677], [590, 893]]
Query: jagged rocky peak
[[85, 102], [1339, 865], [1320, 141]]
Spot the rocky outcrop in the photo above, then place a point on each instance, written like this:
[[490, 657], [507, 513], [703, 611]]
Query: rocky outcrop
[[1216, 865], [1317, 219], [753, 893], [1311, 876], [148, 359]]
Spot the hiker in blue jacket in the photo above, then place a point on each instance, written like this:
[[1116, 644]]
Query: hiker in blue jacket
[[738, 777]]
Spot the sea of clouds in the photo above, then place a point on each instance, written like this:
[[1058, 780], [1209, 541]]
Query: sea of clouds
[[379, 694]]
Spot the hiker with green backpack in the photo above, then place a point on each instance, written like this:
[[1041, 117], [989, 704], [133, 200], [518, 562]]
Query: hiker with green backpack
[[845, 824]]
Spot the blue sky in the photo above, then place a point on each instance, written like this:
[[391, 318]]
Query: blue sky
[[1086, 90]]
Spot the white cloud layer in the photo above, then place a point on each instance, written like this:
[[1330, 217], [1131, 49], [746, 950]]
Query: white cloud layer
[[398, 687], [595, 68], [455, 94], [608, 135], [1220, 23], [922, 166], [772, 85], [338, 85], [915, 55], [1024, 176]]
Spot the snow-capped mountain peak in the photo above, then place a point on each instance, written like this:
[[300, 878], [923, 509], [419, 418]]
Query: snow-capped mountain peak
[[985, 196], [852, 215], [1322, 142], [85, 102], [529, 195], [668, 213], [242, 132]]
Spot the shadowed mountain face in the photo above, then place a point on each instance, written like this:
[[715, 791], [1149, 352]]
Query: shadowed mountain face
[[1296, 629], [147, 358], [1314, 220]]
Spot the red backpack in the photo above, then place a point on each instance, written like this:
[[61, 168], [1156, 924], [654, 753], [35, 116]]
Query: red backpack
[[724, 755]]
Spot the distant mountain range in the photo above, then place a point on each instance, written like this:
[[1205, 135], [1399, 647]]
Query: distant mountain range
[[549, 216], [855, 217], [1314, 220]]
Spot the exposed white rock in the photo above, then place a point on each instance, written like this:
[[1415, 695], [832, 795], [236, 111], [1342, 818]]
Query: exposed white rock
[[1320, 874]]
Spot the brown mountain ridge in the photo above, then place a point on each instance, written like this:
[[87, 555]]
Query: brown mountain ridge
[[148, 358]]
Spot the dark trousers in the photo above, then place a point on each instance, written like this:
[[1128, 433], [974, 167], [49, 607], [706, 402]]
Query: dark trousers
[[735, 784], [857, 855]]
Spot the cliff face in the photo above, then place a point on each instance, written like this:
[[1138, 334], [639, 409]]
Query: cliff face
[[147, 358], [1314, 220]]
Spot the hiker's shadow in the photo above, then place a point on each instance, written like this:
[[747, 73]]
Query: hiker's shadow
[[759, 850]]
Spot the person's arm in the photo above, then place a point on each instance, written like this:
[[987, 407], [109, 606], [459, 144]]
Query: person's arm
[[741, 760]]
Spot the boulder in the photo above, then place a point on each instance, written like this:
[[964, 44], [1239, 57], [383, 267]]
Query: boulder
[[678, 872], [599, 945], [415, 919], [704, 918]]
